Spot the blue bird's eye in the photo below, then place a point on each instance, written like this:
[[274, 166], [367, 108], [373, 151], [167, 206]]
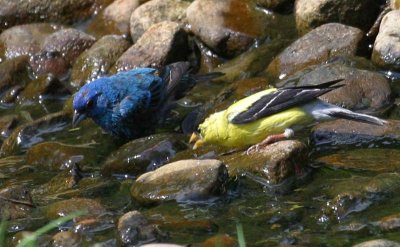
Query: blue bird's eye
[[90, 103]]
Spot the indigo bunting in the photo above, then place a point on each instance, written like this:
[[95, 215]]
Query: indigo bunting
[[129, 104]]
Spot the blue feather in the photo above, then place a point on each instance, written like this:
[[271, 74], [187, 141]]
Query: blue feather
[[128, 104]]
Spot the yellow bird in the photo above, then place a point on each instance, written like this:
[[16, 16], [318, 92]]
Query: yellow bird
[[270, 115]]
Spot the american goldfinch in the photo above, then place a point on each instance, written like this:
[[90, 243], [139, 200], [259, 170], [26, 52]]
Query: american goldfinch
[[271, 114]]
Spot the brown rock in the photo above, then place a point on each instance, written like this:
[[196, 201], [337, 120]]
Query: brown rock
[[163, 43], [156, 11], [315, 47], [229, 27]]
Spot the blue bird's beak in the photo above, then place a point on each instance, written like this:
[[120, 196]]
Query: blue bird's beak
[[77, 118]]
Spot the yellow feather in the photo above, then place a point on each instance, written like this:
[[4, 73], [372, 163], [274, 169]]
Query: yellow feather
[[217, 129]]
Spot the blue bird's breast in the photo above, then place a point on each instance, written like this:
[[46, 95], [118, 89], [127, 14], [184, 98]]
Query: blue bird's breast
[[124, 107]]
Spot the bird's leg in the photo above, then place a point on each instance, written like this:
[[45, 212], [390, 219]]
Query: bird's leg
[[271, 139]]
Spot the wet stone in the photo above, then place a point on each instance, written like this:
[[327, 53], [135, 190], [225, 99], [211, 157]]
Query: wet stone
[[25, 135], [42, 240], [65, 207], [359, 193], [313, 13], [275, 4], [275, 163], [364, 91], [221, 240], [62, 48], [46, 62], [94, 224], [143, 154], [181, 180], [154, 12], [55, 156], [134, 228], [161, 44], [378, 243], [249, 63], [386, 51], [24, 39], [98, 59], [15, 202], [364, 159], [315, 47], [59, 11], [71, 183], [228, 27], [118, 15], [66, 239], [389, 223], [162, 245], [7, 124], [13, 72], [46, 86], [339, 133], [395, 4]]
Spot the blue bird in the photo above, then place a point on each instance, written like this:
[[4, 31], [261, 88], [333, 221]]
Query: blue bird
[[129, 104]]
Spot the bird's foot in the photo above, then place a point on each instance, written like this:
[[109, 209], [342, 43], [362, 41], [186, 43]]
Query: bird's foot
[[271, 139]]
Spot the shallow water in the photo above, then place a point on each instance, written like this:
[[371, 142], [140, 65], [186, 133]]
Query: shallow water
[[305, 216]]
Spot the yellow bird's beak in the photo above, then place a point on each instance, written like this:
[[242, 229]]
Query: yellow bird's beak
[[194, 137], [198, 144], [197, 140]]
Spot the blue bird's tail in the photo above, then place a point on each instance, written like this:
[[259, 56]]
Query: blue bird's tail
[[179, 79]]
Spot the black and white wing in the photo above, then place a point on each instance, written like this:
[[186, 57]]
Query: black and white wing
[[282, 99]]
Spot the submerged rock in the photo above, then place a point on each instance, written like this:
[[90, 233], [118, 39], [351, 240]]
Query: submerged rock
[[364, 159], [31, 133], [55, 156], [7, 124], [156, 11], [249, 63], [134, 228], [69, 206], [143, 154], [15, 202], [181, 180], [389, 223], [313, 13], [339, 133], [67, 239], [359, 193], [315, 47], [13, 72], [386, 51], [45, 86], [221, 239], [162, 43], [98, 59]]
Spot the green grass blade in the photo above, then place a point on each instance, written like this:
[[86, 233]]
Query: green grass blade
[[3, 232], [240, 235], [31, 240]]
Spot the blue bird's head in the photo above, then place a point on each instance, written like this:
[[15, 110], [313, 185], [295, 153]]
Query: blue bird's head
[[86, 103]]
